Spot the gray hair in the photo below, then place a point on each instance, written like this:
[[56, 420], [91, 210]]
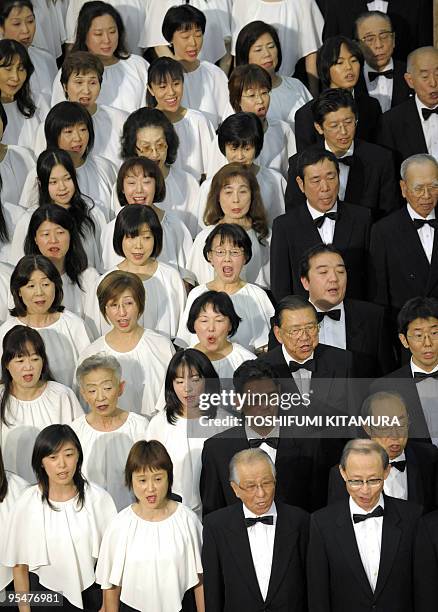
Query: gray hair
[[364, 16], [419, 158], [413, 55], [246, 457], [367, 405], [363, 447], [99, 361]]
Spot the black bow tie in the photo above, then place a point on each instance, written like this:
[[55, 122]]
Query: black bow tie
[[419, 376], [267, 520], [309, 365], [399, 465], [331, 314], [358, 518], [419, 223], [348, 160], [256, 442], [427, 112], [320, 220], [389, 74]]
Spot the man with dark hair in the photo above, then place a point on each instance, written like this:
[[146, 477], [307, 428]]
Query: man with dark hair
[[366, 174], [321, 219]]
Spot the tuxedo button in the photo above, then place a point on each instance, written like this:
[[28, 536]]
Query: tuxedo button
[[411, 276]]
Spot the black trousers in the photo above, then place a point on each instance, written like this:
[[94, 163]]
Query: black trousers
[[91, 597]]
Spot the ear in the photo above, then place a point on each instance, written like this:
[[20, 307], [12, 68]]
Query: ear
[[277, 334], [403, 188], [318, 128], [235, 488], [64, 87], [386, 472], [122, 385], [300, 183], [409, 80], [305, 283], [403, 340], [343, 474], [150, 90]]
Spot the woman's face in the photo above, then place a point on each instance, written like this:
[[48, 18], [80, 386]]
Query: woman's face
[[227, 260], [150, 488], [255, 99], [138, 249], [52, 240], [138, 188], [19, 25], [38, 293], [235, 198], [60, 466], [212, 329], [74, 139], [188, 386], [122, 312], [83, 87], [101, 390], [102, 37], [61, 186], [242, 154], [168, 93], [12, 78], [187, 44], [264, 53], [25, 370], [151, 143], [345, 73]]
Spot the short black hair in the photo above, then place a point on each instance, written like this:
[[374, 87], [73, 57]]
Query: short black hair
[[328, 55], [244, 77], [291, 302], [241, 129], [150, 169], [158, 72], [182, 18], [330, 101], [312, 156], [250, 370], [88, 12], [221, 303], [143, 118], [21, 276], [232, 232], [64, 115], [249, 35], [416, 308], [315, 250], [128, 222]]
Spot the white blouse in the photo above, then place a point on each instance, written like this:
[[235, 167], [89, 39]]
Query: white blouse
[[14, 168], [50, 31], [41, 80], [13, 216], [26, 418], [206, 90], [60, 546], [105, 454], [5, 293], [21, 130], [81, 301], [226, 366], [196, 135], [286, 99], [155, 562], [16, 486]]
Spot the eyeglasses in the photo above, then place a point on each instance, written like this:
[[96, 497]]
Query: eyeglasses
[[116, 307], [347, 124], [420, 337], [420, 190], [371, 482], [258, 94], [310, 329], [372, 38], [265, 485], [234, 253], [142, 147]]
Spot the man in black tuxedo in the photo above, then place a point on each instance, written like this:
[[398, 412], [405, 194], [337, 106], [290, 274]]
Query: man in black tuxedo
[[366, 170], [322, 219], [413, 474], [361, 549], [404, 245], [383, 77], [254, 552], [426, 564], [412, 127]]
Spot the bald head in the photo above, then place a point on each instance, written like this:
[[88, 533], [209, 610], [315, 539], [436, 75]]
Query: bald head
[[422, 75]]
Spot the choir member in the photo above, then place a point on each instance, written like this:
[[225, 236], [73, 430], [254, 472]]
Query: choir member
[[10, 215]]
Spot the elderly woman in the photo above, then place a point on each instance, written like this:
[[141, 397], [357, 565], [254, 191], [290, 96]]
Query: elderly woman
[[106, 432]]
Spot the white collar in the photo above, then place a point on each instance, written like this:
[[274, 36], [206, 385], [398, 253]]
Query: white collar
[[271, 512], [401, 457], [355, 509], [339, 306], [420, 105], [317, 213], [415, 215], [350, 151], [415, 368], [389, 66], [288, 358]]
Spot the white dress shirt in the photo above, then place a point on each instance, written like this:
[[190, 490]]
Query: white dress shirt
[[426, 233], [333, 332], [327, 229], [378, 5], [251, 434], [381, 87], [369, 540], [430, 129], [302, 377], [396, 485], [344, 170], [428, 394], [261, 542]]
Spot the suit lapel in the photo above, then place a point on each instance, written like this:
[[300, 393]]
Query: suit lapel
[[391, 534], [356, 179], [413, 131], [284, 544], [433, 271], [343, 229], [354, 326], [415, 483], [412, 246]]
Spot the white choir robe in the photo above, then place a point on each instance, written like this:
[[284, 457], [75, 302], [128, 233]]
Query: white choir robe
[[206, 90], [14, 168], [195, 133]]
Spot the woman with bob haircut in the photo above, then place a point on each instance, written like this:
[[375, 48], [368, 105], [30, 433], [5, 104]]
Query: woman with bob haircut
[[56, 527], [69, 127], [100, 30], [205, 84], [213, 319], [52, 233], [106, 432], [240, 139], [151, 552], [258, 43], [36, 289], [227, 249], [194, 130], [189, 375], [234, 197], [143, 354], [339, 62], [149, 133], [140, 181], [30, 398]]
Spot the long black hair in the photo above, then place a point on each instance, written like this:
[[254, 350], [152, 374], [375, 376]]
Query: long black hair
[[8, 50], [3, 479]]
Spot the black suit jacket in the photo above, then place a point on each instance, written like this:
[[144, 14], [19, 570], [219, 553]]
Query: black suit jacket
[[426, 564], [421, 466], [400, 89], [230, 581], [371, 181], [336, 577], [295, 232]]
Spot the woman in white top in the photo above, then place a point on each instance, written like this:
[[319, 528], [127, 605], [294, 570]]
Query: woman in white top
[[195, 132], [55, 530], [10, 215], [36, 289], [100, 30], [205, 86], [213, 319], [227, 249], [234, 197], [106, 432], [151, 552], [30, 399], [142, 353]]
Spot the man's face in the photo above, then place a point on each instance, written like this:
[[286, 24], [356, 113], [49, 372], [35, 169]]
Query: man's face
[[420, 188], [320, 185], [392, 439], [364, 467], [326, 281], [338, 129], [298, 332], [256, 486], [377, 41], [423, 77], [422, 340]]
